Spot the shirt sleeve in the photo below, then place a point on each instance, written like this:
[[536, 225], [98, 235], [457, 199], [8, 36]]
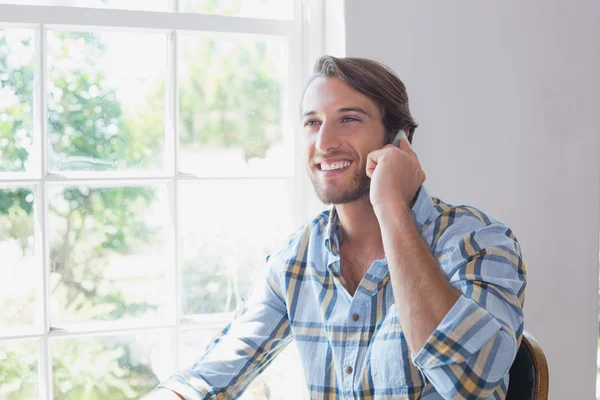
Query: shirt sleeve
[[469, 354], [241, 351]]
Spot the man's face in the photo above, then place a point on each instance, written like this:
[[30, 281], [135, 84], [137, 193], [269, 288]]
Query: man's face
[[342, 128]]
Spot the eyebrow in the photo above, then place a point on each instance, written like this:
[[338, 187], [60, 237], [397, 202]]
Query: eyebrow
[[341, 110]]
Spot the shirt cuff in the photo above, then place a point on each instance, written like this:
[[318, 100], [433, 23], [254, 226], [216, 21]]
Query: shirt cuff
[[189, 387], [465, 329]]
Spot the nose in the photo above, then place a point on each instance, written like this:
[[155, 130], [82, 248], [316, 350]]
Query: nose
[[327, 139]]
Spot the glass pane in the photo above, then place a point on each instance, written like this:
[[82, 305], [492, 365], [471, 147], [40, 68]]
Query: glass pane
[[17, 69], [109, 253], [110, 367], [149, 5], [227, 230], [282, 380], [272, 9], [20, 269], [106, 100], [231, 95], [19, 370]]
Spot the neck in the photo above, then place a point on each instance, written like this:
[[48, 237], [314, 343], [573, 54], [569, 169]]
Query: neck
[[360, 227]]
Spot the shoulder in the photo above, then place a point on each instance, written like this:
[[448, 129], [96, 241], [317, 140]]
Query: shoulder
[[297, 244], [455, 223]]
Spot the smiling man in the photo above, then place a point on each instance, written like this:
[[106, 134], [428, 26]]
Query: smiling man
[[390, 294]]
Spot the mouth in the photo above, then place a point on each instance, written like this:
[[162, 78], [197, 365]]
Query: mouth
[[331, 166]]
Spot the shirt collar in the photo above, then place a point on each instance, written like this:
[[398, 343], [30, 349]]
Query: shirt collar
[[332, 233], [423, 208]]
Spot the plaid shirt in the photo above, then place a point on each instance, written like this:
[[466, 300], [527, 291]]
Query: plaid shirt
[[353, 347]]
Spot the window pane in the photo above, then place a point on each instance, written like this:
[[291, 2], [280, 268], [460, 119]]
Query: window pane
[[231, 95], [20, 270], [110, 367], [106, 100], [282, 380], [16, 98], [19, 370], [109, 253], [227, 230], [272, 9], [149, 5]]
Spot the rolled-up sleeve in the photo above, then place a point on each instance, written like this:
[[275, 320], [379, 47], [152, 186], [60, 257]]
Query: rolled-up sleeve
[[241, 351], [470, 352]]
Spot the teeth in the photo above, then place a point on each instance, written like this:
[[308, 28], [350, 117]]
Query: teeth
[[335, 165]]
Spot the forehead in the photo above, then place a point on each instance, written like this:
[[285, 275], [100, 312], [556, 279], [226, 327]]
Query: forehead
[[328, 93]]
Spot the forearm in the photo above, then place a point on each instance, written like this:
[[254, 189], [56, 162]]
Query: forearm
[[422, 292]]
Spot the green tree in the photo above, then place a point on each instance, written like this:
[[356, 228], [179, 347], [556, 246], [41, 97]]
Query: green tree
[[16, 97], [83, 120], [239, 106]]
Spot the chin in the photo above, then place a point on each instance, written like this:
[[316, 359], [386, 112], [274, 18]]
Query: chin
[[341, 196], [341, 192]]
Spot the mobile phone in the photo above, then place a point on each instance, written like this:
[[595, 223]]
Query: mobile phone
[[399, 136]]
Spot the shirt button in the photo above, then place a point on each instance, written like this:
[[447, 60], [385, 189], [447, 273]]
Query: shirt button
[[348, 369], [355, 317]]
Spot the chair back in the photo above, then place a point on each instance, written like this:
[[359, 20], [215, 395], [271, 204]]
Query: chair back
[[528, 375]]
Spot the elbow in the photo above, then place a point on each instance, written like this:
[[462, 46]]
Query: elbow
[[481, 374], [490, 367]]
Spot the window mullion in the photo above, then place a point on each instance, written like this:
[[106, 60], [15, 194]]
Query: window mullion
[[42, 128], [174, 6], [174, 140], [135, 19], [295, 79]]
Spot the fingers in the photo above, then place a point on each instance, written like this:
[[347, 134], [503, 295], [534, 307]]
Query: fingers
[[372, 158], [375, 156]]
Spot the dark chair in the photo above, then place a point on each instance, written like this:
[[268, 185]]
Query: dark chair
[[529, 372]]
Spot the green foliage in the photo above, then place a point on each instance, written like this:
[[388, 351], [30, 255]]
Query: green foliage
[[239, 106], [18, 371], [80, 362], [82, 128], [16, 83], [88, 128], [16, 206]]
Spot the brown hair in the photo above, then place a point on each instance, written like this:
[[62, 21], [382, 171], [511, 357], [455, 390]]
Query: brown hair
[[376, 81]]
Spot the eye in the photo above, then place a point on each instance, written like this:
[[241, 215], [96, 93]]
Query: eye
[[312, 122], [350, 119]]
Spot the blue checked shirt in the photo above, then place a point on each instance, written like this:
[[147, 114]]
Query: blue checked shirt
[[353, 347]]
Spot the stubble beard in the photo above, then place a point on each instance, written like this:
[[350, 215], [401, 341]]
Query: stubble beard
[[357, 188]]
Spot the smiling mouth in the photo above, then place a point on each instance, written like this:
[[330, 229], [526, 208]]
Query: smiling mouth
[[333, 166]]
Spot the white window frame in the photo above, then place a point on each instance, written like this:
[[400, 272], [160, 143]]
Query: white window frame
[[306, 42]]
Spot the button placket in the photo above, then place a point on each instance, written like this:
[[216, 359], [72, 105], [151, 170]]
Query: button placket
[[354, 334]]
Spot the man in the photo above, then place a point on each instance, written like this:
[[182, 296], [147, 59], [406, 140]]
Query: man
[[392, 294]]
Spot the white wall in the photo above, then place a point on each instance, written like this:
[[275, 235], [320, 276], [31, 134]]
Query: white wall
[[507, 96]]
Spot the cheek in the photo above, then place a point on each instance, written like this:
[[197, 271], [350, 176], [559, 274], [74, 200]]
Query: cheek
[[309, 153]]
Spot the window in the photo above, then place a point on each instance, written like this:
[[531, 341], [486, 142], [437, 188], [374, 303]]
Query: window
[[147, 167]]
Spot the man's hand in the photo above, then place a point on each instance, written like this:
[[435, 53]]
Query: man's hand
[[395, 174]]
